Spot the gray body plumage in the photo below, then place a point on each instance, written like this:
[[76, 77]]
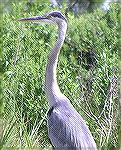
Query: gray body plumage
[[67, 129]]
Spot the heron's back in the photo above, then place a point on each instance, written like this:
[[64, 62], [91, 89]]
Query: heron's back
[[67, 129]]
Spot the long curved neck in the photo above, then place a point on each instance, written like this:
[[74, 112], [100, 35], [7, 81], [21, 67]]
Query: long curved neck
[[51, 87]]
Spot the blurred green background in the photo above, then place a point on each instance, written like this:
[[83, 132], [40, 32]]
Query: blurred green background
[[88, 71]]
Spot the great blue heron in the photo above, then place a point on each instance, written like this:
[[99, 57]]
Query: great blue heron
[[66, 128]]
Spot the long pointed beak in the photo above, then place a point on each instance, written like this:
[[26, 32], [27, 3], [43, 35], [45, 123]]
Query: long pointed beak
[[33, 19]]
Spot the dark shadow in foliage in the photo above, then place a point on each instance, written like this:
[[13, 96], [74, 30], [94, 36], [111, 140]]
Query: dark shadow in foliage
[[87, 59]]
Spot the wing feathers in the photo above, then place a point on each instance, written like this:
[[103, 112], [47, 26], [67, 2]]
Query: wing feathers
[[66, 128]]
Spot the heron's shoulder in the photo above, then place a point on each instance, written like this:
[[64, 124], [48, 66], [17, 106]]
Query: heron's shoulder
[[61, 107], [50, 111]]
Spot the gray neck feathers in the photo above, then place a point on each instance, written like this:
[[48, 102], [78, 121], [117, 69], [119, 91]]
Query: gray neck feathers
[[51, 87]]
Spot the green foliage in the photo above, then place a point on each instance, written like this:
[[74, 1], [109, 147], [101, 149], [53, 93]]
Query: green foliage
[[25, 51]]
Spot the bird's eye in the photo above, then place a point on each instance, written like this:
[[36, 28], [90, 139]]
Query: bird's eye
[[49, 16]]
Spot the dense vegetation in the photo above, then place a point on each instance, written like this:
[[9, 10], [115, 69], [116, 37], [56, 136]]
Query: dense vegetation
[[90, 84]]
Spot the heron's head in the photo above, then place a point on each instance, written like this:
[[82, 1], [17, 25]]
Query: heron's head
[[54, 17]]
